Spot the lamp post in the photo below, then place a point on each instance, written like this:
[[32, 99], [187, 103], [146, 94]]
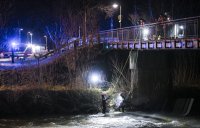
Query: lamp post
[[31, 38], [84, 23], [27, 37], [79, 32], [20, 34], [13, 55], [45, 42], [31, 34], [120, 16], [120, 13], [111, 22]]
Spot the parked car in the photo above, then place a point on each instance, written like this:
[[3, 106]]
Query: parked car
[[6, 55], [1, 55]]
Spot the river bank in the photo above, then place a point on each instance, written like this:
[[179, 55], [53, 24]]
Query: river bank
[[38, 101]]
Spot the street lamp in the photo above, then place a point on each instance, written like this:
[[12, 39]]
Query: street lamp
[[20, 34], [120, 13], [46, 42], [31, 38]]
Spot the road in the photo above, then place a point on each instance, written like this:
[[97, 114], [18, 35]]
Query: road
[[6, 63]]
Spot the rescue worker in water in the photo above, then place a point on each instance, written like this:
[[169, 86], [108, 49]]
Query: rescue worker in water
[[104, 100]]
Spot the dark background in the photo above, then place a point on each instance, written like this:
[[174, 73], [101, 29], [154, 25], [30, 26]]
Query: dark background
[[34, 15], [37, 13]]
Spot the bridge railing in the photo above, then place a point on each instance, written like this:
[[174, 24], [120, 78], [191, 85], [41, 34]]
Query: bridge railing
[[186, 28]]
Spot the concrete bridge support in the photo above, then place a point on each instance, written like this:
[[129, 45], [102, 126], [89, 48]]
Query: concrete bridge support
[[150, 76], [133, 55], [160, 71]]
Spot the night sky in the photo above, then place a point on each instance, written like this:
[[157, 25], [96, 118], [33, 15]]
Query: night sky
[[34, 15]]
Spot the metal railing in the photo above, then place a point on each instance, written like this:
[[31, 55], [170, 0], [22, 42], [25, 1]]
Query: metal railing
[[186, 28]]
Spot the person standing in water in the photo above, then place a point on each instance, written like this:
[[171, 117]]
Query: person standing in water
[[104, 100]]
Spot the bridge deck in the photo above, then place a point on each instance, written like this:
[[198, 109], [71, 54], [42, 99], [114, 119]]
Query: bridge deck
[[175, 34], [155, 45]]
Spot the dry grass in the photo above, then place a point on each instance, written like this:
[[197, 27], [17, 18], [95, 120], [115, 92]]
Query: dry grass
[[55, 88], [67, 72], [43, 87]]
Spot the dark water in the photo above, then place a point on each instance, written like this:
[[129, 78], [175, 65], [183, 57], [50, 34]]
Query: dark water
[[110, 120]]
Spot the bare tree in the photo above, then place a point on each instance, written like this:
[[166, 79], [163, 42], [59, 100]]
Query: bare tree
[[133, 18], [65, 24], [108, 10], [121, 76], [62, 30], [92, 24], [6, 7], [69, 19], [5, 10]]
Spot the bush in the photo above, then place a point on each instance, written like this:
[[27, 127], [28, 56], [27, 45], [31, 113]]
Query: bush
[[45, 102]]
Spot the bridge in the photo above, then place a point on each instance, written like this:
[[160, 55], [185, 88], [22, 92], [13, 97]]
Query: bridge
[[162, 55], [175, 34], [163, 60]]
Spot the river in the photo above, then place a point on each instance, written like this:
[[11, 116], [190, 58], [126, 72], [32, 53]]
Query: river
[[109, 120]]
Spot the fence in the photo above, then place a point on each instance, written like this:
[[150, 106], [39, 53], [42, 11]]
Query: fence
[[181, 33]]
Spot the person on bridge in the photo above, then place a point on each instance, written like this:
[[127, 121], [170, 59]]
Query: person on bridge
[[161, 27], [161, 18]]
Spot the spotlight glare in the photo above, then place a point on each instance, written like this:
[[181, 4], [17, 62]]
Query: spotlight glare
[[95, 78], [145, 31], [115, 5]]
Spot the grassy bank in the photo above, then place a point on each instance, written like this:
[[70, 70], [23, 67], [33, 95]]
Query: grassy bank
[[59, 87], [44, 101]]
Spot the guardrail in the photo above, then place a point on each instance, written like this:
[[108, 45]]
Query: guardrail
[[186, 28], [174, 34]]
